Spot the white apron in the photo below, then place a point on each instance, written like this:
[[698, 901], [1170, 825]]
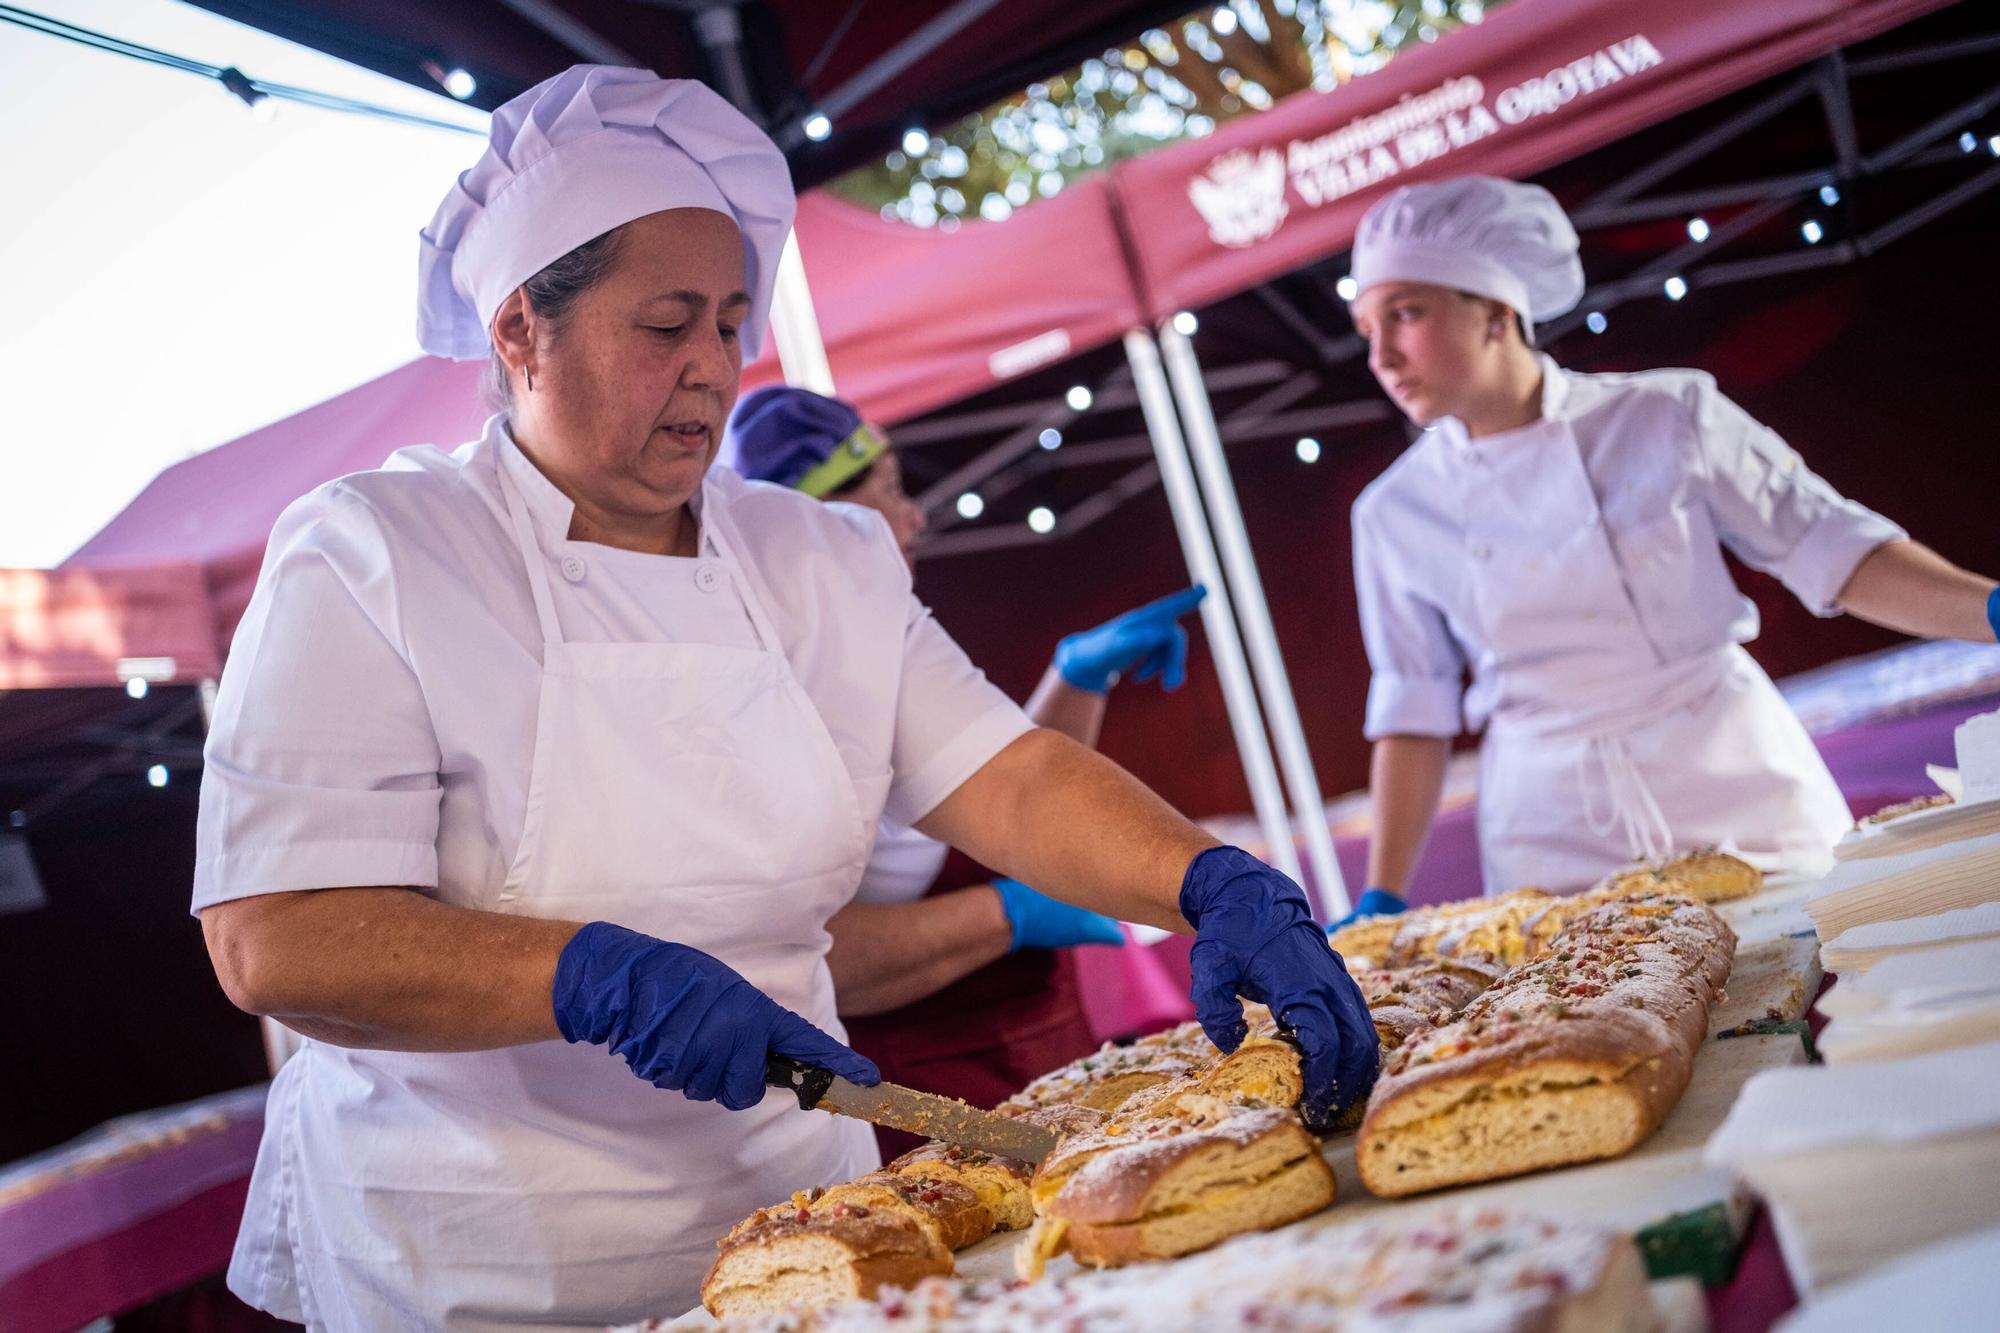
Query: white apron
[[686, 790], [1581, 778], [903, 866]]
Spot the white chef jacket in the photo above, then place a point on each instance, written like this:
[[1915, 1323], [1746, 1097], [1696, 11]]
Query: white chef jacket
[[378, 719], [1677, 470]]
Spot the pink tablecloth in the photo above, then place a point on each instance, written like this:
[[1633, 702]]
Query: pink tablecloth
[[128, 1213]]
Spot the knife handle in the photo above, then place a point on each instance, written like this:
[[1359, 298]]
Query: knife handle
[[809, 1081]]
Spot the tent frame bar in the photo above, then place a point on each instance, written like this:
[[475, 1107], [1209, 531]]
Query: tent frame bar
[[1274, 686], [1760, 201], [1218, 618]]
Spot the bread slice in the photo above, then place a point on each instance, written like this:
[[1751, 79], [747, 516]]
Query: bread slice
[[1575, 1057], [1489, 926], [1103, 1079], [1456, 1269], [1179, 1192], [948, 1209], [819, 1259], [1000, 1183], [1705, 875]]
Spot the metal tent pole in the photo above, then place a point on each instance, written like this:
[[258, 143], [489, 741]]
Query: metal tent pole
[[1156, 403], [1204, 444], [795, 324]]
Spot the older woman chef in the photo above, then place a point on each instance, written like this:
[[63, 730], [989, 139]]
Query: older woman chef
[[1561, 536], [560, 742]]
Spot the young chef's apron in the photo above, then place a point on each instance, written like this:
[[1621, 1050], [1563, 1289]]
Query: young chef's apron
[[686, 790], [1600, 751]]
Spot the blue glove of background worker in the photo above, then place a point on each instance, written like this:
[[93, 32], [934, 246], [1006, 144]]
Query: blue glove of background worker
[[682, 1019], [1148, 642], [1040, 922], [1374, 902], [1255, 937]]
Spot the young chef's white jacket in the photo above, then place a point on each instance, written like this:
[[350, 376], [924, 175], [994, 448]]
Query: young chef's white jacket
[[1574, 569], [377, 725]]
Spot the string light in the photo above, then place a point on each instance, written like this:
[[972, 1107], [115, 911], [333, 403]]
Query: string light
[[1676, 287], [1812, 231], [1347, 287], [258, 94], [1697, 230], [1079, 398], [1596, 322], [916, 141], [1042, 520], [1051, 438], [1967, 142], [1307, 449], [817, 126], [137, 687], [460, 84], [1185, 323], [157, 775], [1828, 195], [971, 505]]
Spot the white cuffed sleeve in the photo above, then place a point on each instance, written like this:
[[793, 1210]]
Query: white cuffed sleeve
[[321, 767], [1773, 511], [949, 719], [1417, 685]]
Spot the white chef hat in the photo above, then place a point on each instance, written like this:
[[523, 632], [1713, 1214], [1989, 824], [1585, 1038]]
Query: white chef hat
[[1476, 234], [577, 155]]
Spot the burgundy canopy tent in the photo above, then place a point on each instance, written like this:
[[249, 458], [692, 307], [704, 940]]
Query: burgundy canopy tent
[[1537, 83], [917, 320]]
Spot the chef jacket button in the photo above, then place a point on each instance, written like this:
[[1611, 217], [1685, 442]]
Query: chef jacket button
[[707, 577], [572, 568]]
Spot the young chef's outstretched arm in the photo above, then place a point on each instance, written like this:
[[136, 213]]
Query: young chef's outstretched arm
[[1058, 815], [1906, 586], [1405, 780]]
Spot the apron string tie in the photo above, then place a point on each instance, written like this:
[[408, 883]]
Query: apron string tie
[[1633, 809]]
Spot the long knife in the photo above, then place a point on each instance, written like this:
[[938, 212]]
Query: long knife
[[922, 1113]]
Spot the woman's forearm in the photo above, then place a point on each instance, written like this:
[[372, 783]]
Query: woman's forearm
[[1405, 780], [389, 968], [887, 955], [1906, 586], [1079, 828], [1061, 706]]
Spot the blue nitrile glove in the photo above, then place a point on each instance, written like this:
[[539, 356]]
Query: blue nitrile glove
[[1149, 639], [1993, 610], [1040, 922], [1255, 936], [1374, 902], [682, 1019]]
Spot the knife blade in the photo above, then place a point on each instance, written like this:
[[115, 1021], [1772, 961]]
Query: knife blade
[[923, 1113]]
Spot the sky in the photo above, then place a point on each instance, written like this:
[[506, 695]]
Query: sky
[[176, 271]]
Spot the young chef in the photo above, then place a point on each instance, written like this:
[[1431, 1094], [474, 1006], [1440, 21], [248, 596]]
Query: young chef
[[1559, 537]]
